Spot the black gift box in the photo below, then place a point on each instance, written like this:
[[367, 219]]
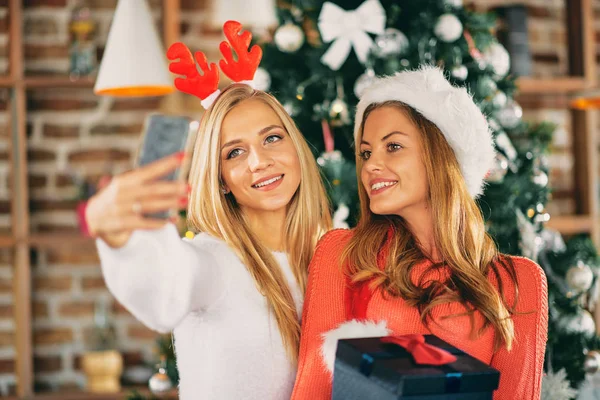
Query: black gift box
[[368, 369]]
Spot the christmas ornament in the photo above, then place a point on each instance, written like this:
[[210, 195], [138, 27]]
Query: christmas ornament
[[339, 112], [448, 28], [348, 29], [460, 72], [499, 170], [262, 79], [591, 365], [499, 100], [289, 37], [553, 241], [160, 381], [530, 242], [578, 323], [427, 47], [580, 277], [540, 178], [503, 142], [497, 57], [364, 81], [555, 386], [510, 115], [391, 43], [291, 107], [454, 3], [340, 216], [486, 86]]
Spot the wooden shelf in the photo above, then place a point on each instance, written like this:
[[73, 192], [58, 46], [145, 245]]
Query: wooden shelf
[[58, 81], [6, 241], [6, 81], [571, 224], [41, 240], [565, 84]]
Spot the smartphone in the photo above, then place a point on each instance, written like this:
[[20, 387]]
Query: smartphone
[[164, 135]]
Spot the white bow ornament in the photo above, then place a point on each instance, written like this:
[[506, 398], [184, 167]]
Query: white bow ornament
[[349, 29]]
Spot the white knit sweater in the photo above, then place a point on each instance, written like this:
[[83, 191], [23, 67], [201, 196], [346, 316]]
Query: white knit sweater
[[227, 342]]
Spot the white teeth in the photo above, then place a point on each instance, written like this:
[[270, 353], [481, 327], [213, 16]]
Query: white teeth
[[380, 185], [265, 183]]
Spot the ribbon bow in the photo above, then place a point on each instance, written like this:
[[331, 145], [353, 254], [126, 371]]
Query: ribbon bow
[[422, 352], [349, 29]]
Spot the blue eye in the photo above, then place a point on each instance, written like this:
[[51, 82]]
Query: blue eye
[[273, 138], [365, 154], [234, 153]]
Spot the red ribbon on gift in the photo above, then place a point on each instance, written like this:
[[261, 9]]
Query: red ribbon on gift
[[422, 352]]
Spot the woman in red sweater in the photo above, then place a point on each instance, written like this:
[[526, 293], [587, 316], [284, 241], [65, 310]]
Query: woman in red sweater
[[420, 260]]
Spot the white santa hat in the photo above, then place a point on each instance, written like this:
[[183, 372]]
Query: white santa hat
[[450, 108]]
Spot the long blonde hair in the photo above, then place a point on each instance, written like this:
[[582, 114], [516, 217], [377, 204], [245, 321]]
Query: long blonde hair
[[460, 236], [213, 212]]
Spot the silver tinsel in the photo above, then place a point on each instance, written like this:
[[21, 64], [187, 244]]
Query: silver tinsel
[[555, 386]]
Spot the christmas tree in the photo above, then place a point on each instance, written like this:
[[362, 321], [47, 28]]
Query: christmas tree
[[321, 57]]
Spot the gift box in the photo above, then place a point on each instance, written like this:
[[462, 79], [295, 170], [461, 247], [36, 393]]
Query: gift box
[[379, 368]]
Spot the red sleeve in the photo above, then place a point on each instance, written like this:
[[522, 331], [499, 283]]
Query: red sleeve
[[521, 368], [323, 310]]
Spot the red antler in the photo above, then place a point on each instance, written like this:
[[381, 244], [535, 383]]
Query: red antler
[[244, 68], [193, 83]]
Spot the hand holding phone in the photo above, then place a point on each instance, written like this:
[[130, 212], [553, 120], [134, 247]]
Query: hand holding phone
[[144, 197]]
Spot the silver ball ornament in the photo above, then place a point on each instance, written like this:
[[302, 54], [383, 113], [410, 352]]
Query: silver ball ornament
[[460, 72], [454, 3], [580, 277], [510, 115], [289, 37], [499, 170], [578, 323], [499, 100], [540, 178], [591, 364], [448, 28], [499, 59], [391, 42], [363, 82]]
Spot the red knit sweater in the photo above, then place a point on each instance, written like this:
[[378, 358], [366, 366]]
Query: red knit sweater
[[324, 309]]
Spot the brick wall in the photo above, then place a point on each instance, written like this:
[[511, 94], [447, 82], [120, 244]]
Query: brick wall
[[73, 134]]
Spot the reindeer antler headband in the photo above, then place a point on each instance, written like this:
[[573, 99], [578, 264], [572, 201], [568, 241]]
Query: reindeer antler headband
[[206, 86]]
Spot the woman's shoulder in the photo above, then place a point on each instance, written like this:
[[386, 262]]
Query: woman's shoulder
[[334, 240], [530, 279], [526, 270]]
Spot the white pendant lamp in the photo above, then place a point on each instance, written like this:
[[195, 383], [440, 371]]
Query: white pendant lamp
[[134, 61]]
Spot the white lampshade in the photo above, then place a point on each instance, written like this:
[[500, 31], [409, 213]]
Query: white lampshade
[[257, 15], [134, 62]]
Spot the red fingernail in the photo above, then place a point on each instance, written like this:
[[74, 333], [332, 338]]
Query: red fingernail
[[183, 201], [188, 189], [180, 156]]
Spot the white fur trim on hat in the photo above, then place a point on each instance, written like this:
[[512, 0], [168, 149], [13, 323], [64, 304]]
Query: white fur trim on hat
[[349, 330], [450, 108]]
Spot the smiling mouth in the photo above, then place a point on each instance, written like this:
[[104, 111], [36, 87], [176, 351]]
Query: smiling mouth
[[267, 182], [381, 185]]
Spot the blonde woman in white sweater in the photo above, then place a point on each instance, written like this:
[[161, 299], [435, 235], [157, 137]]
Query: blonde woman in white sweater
[[232, 295]]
